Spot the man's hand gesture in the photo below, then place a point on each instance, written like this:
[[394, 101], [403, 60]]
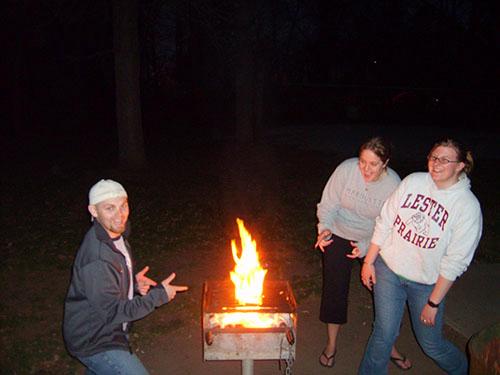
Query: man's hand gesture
[[172, 289], [144, 282]]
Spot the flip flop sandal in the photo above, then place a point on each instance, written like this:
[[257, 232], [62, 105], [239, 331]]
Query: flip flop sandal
[[330, 360], [399, 361]]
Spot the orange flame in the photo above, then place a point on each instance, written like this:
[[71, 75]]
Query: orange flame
[[248, 279], [248, 275], [249, 319]]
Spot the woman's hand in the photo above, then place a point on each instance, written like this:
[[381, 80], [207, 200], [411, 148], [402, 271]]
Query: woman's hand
[[324, 239], [355, 253], [428, 315], [368, 275]]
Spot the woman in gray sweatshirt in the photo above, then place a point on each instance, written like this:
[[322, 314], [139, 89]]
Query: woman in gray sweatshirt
[[350, 203]]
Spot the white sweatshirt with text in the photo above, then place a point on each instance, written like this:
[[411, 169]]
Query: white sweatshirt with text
[[424, 232]]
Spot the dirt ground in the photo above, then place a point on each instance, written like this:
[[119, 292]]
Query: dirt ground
[[179, 349], [275, 193]]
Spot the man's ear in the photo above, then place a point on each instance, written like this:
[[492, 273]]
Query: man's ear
[[93, 211]]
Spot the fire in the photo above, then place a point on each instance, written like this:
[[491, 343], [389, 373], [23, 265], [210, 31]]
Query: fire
[[248, 319], [248, 275], [248, 279]]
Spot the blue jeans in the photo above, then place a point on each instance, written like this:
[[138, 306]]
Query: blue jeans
[[391, 292], [113, 362]]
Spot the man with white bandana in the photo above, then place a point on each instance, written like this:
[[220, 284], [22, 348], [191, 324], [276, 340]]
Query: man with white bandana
[[103, 297]]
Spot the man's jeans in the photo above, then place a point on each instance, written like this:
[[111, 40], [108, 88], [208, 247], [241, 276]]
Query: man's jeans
[[390, 294], [113, 362]]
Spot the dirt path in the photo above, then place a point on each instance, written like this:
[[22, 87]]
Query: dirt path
[[180, 351], [253, 186]]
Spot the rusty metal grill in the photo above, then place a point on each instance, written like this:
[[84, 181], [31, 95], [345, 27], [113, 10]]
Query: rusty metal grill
[[236, 342]]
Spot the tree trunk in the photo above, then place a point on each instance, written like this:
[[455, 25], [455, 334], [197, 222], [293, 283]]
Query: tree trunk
[[244, 85], [127, 84]]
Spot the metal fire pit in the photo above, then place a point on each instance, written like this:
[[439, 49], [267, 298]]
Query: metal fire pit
[[236, 342]]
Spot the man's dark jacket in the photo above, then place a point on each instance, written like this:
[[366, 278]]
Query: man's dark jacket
[[97, 303]]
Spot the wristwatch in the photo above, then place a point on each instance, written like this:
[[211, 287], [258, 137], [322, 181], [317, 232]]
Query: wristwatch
[[432, 304]]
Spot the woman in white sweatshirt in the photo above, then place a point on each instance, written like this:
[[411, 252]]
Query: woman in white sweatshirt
[[424, 238], [351, 200]]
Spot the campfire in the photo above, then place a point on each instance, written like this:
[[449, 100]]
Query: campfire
[[247, 317], [248, 275]]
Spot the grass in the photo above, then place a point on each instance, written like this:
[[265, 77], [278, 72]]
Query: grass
[[180, 204]]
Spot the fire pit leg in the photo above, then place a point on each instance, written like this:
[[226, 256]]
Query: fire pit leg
[[247, 367]]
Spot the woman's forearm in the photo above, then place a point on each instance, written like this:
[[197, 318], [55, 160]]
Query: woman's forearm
[[440, 290], [372, 253]]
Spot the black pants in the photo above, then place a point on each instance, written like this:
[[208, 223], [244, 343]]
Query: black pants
[[336, 278]]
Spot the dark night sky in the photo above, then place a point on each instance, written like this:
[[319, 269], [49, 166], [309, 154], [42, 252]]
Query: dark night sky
[[315, 61]]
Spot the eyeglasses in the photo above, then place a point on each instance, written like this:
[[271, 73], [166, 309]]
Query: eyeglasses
[[441, 160]]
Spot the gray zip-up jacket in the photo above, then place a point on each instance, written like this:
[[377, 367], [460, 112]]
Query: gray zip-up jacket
[[97, 304]]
